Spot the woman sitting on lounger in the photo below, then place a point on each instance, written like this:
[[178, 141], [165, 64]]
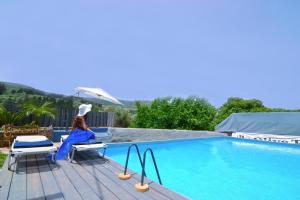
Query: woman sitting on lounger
[[80, 133]]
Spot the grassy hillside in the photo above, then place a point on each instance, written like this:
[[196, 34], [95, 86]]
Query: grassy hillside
[[16, 86], [19, 93]]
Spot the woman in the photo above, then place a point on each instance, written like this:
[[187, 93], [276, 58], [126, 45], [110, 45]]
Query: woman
[[80, 133]]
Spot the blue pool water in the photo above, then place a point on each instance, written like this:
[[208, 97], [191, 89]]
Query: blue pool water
[[222, 168]]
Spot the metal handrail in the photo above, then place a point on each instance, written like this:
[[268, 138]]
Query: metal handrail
[[128, 153], [155, 165]]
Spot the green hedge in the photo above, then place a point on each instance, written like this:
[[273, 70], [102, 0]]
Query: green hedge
[[192, 113]]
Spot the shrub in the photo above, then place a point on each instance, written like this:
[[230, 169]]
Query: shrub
[[39, 110], [192, 113], [123, 118], [7, 117], [237, 105]]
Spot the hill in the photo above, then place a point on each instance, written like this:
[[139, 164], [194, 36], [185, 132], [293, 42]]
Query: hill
[[20, 92]]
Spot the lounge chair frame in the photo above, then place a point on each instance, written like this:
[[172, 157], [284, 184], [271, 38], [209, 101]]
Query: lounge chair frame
[[18, 152], [87, 147]]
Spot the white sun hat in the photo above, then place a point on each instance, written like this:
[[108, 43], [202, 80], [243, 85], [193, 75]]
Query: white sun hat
[[84, 109]]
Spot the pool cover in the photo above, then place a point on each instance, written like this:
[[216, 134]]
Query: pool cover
[[283, 123]]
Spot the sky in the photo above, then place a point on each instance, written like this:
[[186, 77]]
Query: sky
[[139, 49]]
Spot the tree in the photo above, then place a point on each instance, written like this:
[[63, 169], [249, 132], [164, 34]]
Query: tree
[[11, 105], [142, 118], [7, 117], [237, 105], [123, 117], [37, 111], [192, 113], [2, 88]]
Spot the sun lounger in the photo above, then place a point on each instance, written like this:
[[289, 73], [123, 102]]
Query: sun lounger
[[31, 145], [101, 134], [87, 147], [63, 138]]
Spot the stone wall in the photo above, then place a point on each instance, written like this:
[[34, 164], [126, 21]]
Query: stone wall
[[140, 134]]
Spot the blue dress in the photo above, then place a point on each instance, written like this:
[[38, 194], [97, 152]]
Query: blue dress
[[76, 136]]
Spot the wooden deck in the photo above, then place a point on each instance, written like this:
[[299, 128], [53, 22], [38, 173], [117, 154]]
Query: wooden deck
[[89, 177]]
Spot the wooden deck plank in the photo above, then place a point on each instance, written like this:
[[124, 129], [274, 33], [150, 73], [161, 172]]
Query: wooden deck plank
[[115, 190], [116, 186], [18, 183], [79, 183], [155, 186], [66, 187], [100, 188], [50, 187], [33, 180], [136, 179], [98, 163], [5, 180], [93, 165], [91, 178]]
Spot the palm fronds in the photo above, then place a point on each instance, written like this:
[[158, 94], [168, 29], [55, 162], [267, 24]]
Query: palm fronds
[[7, 117], [37, 111]]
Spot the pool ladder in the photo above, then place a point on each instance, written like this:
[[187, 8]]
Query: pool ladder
[[141, 187]]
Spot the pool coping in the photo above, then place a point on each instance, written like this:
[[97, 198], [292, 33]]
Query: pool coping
[[211, 137], [168, 140]]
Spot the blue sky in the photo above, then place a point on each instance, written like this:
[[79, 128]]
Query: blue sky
[[137, 49]]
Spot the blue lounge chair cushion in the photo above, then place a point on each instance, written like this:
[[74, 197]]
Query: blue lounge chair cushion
[[100, 130], [44, 143]]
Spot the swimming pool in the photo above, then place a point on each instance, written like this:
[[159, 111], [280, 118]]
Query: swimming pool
[[221, 168]]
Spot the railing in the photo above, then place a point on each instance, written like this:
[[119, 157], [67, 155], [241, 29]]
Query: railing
[[124, 175], [141, 187], [128, 153], [144, 164]]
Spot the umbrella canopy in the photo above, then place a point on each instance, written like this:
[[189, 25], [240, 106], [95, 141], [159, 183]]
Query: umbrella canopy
[[98, 93]]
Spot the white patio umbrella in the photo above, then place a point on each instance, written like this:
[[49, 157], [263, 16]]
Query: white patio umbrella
[[98, 93]]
